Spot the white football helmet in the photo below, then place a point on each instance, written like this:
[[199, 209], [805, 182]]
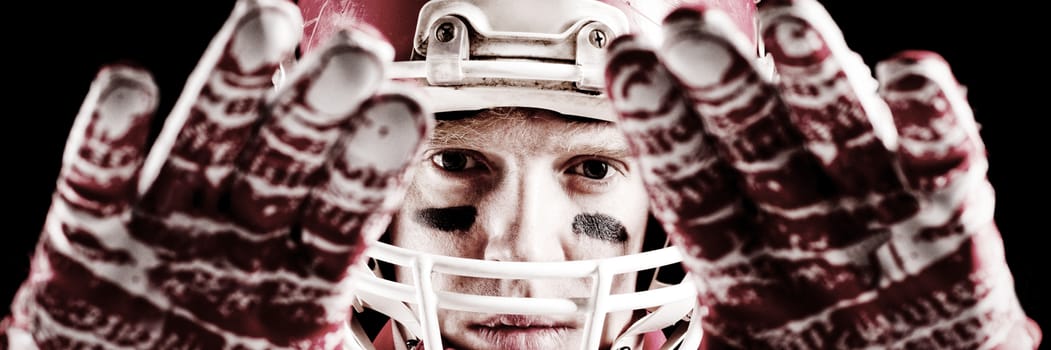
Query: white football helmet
[[548, 54]]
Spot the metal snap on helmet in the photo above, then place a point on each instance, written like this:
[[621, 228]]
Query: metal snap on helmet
[[550, 54]]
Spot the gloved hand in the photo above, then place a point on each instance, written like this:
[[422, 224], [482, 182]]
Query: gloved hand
[[253, 201], [811, 215]]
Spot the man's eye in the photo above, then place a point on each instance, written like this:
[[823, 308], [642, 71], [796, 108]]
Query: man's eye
[[454, 161], [592, 169]]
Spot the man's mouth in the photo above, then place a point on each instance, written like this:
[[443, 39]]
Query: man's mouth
[[522, 332]]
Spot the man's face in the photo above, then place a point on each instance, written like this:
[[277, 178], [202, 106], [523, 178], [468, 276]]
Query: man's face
[[523, 185]]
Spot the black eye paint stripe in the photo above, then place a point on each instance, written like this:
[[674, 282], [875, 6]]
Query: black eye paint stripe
[[448, 219], [600, 226]]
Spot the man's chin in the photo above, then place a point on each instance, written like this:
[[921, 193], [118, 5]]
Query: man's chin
[[515, 338]]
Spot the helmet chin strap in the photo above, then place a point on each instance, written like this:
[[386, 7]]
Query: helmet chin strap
[[684, 314], [403, 342]]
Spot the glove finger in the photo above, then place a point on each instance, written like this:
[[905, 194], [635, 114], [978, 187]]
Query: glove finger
[[943, 159], [692, 190], [218, 109], [937, 133], [741, 109], [273, 176], [108, 141], [803, 238], [80, 246], [279, 165], [366, 178], [831, 98]]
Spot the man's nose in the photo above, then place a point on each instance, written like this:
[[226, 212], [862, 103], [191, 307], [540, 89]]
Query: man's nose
[[529, 213]]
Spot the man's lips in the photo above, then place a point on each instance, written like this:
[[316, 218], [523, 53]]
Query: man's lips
[[510, 322], [522, 332]]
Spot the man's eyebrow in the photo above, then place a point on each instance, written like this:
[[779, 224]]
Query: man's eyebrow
[[458, 138], [579, 138], [606, 148], [611, 149]]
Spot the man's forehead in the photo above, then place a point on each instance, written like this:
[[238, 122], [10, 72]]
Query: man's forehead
[[528, 128]]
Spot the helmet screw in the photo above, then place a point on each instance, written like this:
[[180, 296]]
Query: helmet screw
[[412, 343], [597, 38], [445, 32]]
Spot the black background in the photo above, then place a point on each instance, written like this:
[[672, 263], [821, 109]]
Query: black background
[[56, 53]]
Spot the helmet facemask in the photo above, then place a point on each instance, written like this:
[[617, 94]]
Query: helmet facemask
[[475, 55]]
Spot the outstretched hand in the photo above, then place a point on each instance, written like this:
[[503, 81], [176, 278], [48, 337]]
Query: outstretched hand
[[253, 201], [814, 211]]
